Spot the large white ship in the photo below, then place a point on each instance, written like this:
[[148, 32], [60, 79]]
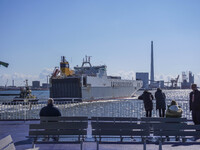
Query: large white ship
[[88, 82]]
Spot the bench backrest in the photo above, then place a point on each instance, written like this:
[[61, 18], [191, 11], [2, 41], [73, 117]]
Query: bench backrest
[[162, 120], [64, 119], [113, 119], [59, 126], [7, 143], [176, 129], [119, 129]]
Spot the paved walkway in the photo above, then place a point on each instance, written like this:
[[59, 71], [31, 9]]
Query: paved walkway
[[19, 130]]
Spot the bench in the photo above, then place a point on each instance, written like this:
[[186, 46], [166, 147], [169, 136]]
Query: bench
[[7, 143], [153, 121], [59, 130], [175, 129], [115, 130]]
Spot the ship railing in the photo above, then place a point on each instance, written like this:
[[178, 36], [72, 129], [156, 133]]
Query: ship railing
[[101, 108]]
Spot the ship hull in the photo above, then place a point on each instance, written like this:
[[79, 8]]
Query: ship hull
[[72, 89], [96, 93]]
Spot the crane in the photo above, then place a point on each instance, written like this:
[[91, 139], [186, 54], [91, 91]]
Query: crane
[[4, 64]]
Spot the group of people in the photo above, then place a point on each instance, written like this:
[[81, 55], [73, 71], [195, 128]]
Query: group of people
[[173, 110], [147, 98]]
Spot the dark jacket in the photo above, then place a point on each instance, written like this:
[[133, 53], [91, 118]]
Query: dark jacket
[[160, 99], [50, 110], [147, 98], [195, 106]]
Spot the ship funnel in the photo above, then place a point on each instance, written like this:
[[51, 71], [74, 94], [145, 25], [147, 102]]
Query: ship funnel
[[64, 67]]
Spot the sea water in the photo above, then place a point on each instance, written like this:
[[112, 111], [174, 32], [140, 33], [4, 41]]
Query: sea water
[[131, 107]]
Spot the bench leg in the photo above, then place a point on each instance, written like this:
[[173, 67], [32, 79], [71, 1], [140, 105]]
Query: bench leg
[[97, 145], [145, 144], [33, 144], [160, 144], [81, 144]]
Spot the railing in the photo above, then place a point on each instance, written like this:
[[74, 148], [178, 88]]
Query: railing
[[102, 108]]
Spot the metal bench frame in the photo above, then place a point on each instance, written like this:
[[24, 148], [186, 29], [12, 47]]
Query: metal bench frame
[[64, 128]]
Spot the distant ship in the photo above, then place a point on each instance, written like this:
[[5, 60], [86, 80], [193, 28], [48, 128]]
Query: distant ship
[[25, 95], [88, 83]]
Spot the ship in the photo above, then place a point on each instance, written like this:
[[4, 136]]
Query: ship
[[87, 82], [25, 95]]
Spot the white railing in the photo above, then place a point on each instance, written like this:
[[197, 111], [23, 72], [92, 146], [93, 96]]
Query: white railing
[[103, 108]]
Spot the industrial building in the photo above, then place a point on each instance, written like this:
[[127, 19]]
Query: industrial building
[[185, 84], [35, 84], [144, 76]]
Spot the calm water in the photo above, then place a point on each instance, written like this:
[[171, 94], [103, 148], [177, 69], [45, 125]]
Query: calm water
[[106, 108], [44, 95]]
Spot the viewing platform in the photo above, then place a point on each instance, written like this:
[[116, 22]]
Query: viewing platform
[[19, 130]]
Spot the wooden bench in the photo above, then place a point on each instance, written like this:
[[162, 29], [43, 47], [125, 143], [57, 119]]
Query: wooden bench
[[175, 129], [59, 130], [118, 129], [153, 121], [7, 143]]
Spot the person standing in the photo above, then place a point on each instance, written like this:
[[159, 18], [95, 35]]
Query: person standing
[[160, 102], [147, 98], [50, 110], [195, 104]]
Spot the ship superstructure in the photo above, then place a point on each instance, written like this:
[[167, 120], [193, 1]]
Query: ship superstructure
[[89, 82]]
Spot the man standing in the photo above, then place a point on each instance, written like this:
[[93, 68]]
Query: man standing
[[160, 102], [147, 98], [195, 104], [50, 110]]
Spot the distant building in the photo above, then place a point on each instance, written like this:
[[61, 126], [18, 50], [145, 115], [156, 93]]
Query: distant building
[[185, 84], [144, 76], [45, 85], [35, 84], [161, 84]]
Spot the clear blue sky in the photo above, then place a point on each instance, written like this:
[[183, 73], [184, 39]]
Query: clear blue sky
[[34, 34]]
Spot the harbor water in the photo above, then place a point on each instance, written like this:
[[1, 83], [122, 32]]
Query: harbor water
[[130, 107]]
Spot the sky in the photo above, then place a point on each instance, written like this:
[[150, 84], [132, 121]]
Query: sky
[[34, 34]]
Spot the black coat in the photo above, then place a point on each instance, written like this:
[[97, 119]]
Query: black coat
[[147, 98], [160, 99], [195, 106], [50, 110]]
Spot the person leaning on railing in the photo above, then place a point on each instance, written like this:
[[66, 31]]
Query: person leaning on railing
[[147, 98]]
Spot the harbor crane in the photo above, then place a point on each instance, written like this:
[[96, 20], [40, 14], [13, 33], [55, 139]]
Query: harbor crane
[[4, 64], [174, 82]]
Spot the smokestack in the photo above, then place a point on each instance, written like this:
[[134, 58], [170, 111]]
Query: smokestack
[[152, 65]]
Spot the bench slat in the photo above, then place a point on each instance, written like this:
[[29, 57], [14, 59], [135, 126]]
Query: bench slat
[[5, 141], [112, 125], [58, 132], [119, 133], [10, 147], [78, 119], [59, 125], [176, 133], [166, 120], [100, 119]]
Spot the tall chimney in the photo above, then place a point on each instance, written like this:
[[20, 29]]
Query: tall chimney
[[152, 66]]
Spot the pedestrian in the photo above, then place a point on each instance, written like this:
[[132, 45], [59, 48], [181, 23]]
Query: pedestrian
[[160, 102], [50, 110], [147, 98], [195, 104]]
